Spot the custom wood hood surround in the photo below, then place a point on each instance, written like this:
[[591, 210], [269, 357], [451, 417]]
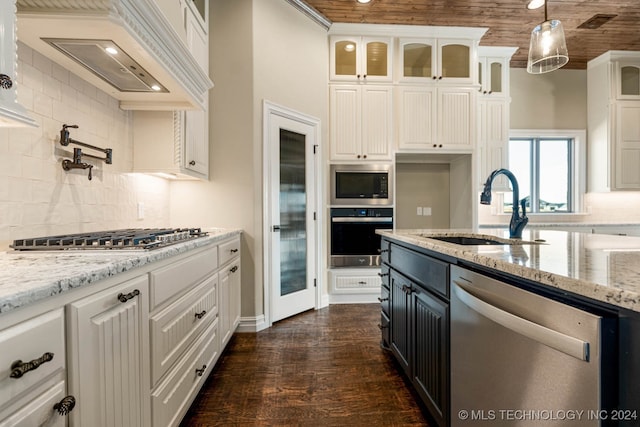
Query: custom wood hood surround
[[137, 27], [509, 21]]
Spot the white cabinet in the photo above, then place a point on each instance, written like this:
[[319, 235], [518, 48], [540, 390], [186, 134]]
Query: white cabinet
[[11, 113], [361, 122], [229, 289], [354, 285], [439, 119], [493, 113], [445, 60], [363, 59], [171, 142], [33, 360], [109, 356], [613, 117]]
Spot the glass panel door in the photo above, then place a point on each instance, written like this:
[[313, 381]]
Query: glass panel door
[[293, 225]]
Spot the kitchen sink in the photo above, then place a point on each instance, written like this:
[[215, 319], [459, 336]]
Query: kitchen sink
[[478, 241]]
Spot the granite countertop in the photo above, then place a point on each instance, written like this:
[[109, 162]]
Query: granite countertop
[[600, 267], [29, 276]]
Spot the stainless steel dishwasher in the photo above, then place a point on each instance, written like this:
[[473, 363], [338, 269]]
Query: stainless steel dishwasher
[[520, 359]]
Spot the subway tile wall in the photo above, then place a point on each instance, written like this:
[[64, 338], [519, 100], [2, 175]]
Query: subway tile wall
[[37, 197]]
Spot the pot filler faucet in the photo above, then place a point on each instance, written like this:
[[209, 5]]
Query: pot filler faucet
[[518, 222]]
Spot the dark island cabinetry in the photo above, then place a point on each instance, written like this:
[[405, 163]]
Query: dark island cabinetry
[[418, 333]]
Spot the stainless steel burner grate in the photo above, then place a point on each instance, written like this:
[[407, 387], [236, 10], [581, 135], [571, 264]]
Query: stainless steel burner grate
[[133, 238]]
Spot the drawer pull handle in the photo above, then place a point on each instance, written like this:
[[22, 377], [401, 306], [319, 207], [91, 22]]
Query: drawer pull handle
[[234, 269], [233, 251], [383, 299], [201, 314], [5, 81], [382, 251], [383, 274], [127, 297], [18, 368], [65, 406], [200, 372], [382, 327]]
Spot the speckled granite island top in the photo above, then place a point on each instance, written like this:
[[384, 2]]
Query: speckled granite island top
[[27, 277], [600, 267]]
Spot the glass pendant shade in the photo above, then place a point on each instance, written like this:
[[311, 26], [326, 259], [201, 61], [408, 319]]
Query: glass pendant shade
[[548, 48]]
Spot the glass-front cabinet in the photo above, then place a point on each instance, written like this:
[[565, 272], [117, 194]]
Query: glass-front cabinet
[[493, 70], [361, 59], [628, 80], [446, 60]]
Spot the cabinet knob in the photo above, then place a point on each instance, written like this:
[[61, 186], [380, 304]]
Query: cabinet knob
[[490, 92], [358, 156], [19, 368], [434, 78], [200, 372], [364, 156], [358, 75], [192, 162], [65, 406], [5, 81], [439, 77]]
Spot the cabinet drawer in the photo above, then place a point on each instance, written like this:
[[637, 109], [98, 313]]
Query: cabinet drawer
[[39, 409], [172, 397], [180, 276], [39, 340], [355, 283], [174, 328], [229, 250], [422, 269]]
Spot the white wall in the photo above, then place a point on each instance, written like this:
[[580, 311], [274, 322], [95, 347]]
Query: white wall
[[260, 49], [37, 197]]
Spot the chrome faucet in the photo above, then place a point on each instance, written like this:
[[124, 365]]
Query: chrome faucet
[[518, 222]]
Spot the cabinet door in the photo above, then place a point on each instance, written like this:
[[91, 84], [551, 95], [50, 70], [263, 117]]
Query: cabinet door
[[196, 144], [229, 301], [417, 59], [492, 76], [197, 39], [456, 120], [11, 113], [628, 80], [417, 117], [494, 140], [430, 352], [455, 59], [400, 314], [627, 146], [346, 105], [377, 129], [377, 58], [344, 58], [360, 59], [109, 357]]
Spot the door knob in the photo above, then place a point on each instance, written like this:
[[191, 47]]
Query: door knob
[[276, 228]]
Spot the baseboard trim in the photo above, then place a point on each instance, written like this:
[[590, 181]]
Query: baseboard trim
[[354, 298], [252, 324]]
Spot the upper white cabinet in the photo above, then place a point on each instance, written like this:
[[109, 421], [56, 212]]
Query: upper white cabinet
[[361, 122], [361, 58], [436, 118], [493, 70], [613, 117], [436, 60], [493, 112], [11, 113]]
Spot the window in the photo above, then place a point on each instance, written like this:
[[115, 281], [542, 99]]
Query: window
[[549, 167]]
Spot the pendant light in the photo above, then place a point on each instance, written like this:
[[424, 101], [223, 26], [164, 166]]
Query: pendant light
[[548, 48]]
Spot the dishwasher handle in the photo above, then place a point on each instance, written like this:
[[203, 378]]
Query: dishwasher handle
[[565, 343]]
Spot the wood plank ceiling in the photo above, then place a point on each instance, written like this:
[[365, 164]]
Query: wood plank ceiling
[[509, 21]]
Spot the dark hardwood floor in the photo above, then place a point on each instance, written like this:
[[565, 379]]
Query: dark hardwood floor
[[319, 368]]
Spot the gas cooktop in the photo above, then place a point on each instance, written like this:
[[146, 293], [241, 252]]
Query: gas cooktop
[[133, 238]]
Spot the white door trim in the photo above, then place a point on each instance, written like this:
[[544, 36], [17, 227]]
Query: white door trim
[[270, 109]]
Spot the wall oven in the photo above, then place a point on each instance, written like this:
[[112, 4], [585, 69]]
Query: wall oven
[[354, 242], [357, 185]]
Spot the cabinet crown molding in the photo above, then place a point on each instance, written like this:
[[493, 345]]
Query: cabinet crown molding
[[407, 31]]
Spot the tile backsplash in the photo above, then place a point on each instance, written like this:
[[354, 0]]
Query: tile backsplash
[[37, 197]]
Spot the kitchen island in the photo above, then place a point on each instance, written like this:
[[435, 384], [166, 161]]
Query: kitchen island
[[115, 336], [421, 311]]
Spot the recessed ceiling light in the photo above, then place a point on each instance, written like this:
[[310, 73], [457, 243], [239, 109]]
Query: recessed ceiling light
[[534, 4], [111, 50], [364, 1]]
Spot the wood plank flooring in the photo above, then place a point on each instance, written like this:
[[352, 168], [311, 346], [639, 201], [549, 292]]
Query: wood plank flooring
[[319, 368]]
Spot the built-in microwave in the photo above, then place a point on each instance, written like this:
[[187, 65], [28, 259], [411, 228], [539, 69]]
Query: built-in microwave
[[357, 185]]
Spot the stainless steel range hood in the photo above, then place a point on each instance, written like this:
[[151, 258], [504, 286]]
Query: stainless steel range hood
[[127, 48]]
